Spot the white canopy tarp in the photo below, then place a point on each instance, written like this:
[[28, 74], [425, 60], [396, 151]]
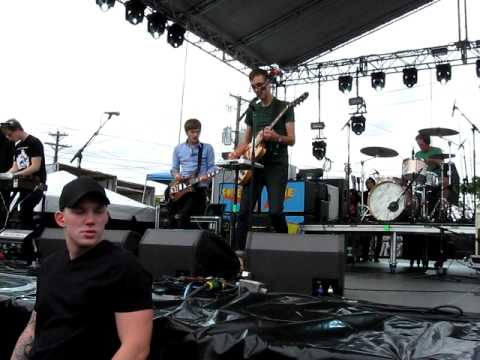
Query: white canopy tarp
[[120, 208]]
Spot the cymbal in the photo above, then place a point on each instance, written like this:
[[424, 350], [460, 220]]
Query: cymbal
[[378, 151], [442, 156], [438, 131]]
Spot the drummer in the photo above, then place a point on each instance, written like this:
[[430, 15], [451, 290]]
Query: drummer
[[426, 152]]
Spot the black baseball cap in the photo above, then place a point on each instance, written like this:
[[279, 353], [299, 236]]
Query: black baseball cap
[[77, 189], [12, 124]]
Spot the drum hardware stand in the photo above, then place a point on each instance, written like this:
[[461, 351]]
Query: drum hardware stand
[[348, 169], [364, 209], [393, 206], [474, 128]]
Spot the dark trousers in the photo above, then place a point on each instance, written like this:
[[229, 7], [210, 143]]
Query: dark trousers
[[190, 204], [27, 202], [275, 178]]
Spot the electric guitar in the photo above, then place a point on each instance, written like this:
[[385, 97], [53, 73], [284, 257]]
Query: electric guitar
[[260, 147], [177, 189]]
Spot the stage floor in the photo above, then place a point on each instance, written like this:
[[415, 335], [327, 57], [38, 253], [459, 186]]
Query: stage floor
[[415, 287]]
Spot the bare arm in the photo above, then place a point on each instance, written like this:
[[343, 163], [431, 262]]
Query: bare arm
[[289, 139], [135, 332], [243, 145], [33, 168], [24, 343]]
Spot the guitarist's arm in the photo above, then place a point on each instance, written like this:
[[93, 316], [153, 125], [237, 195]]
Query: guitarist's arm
[[240, 150], [175, 171], [289, 139]]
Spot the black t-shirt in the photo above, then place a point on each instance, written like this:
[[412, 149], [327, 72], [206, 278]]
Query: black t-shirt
[[7, 150], [263, 116], [77, 301], [27, 149]]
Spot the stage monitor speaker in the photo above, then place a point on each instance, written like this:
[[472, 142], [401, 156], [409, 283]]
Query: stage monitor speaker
[[310, 264], [53, 239], [187, 252]]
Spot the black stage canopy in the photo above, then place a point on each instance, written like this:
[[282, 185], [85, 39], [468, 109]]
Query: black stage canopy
[[282, 32]]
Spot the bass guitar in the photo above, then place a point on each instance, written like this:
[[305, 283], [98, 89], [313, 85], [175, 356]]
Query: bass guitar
[[260, 148], [177, 189]]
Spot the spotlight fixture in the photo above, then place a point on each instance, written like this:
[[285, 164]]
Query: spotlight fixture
[[410, 77], [157, 23], [134, 11], [319, 149], [105, 4], [444, 73], [378, 80], [176, 35], [345, 83], [478, 67], [358, 124]]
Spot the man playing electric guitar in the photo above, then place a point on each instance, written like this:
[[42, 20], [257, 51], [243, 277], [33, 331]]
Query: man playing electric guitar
[[274, 174], [191, 159]]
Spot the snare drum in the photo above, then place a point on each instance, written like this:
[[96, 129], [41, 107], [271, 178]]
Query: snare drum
[[431, 178], [381, 196], [411, 167]]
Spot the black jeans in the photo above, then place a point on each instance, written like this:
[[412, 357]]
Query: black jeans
[[27, 202], [275, 177], [190, 204]]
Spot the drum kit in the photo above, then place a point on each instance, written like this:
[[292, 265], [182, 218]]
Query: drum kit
[[421, 194]]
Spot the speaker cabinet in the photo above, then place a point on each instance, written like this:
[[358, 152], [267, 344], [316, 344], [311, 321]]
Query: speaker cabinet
[[53, 239], [187, 252], [312, 264]]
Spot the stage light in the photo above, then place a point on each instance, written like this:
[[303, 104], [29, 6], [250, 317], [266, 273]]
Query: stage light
[[444, 73], [410, 77], [378, 80], [176, 35], [478, 67], [358, 124], [319, 149], [345, 83], [157, 23], [105, 4], [134, 11]]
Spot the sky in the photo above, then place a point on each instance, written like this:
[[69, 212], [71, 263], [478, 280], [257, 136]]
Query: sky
[[65, 63]]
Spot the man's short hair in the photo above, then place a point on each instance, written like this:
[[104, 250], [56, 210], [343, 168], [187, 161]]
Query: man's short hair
[[425, 138], [80, 188], [11, 124], [258, 71], [192, 124]]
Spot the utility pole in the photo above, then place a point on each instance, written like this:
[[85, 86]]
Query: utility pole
[[56, 146]]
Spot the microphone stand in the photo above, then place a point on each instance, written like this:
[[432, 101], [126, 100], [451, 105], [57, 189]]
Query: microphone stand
[[233, 225], [348, 169], [474, 128], [79, 154]]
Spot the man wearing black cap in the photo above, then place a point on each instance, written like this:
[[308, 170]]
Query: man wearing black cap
[[93, 298], [29, 161]]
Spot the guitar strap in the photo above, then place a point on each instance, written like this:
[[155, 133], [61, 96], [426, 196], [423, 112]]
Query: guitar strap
[[199, 159]]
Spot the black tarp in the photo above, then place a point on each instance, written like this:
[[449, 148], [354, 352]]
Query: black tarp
[[289, 326]]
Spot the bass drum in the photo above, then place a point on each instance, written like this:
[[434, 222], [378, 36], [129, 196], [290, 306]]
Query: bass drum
[[381, 196]]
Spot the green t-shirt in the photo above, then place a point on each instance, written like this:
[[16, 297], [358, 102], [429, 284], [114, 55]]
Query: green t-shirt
[[425, 155], [263, 116]]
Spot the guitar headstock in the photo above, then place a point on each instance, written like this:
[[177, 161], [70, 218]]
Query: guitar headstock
[[299, 100]]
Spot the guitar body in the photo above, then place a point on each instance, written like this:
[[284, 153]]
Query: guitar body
[[177, 189], [245, 176]]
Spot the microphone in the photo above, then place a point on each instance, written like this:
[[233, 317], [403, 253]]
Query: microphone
[[413, 153], [375, 172], [111, 113], [454, 107]]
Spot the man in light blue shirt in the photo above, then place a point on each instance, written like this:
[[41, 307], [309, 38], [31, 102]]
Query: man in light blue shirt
[[191, 159]]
